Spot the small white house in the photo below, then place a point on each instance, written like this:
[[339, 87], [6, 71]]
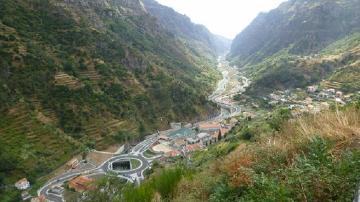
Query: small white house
[[312, 89], [22, 184], [339, 94]]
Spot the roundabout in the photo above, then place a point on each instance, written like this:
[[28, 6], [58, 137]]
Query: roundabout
[[129, 166], [126, 165]]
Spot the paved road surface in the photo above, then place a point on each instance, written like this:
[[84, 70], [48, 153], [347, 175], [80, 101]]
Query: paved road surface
[[136, 174], [220, 95]]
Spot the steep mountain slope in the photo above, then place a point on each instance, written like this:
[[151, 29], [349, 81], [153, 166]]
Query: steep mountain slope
[[347, 77], [334, 64], [182, 26], [302, 26], [293, 46], [89, 74]]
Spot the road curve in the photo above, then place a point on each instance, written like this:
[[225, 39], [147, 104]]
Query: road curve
[[138, 150], [135, 174], [219, 95]]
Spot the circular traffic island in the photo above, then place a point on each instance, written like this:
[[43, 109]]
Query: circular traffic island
[[122, 165], [125, 165]]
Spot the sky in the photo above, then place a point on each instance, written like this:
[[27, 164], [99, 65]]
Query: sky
[[224, 17]]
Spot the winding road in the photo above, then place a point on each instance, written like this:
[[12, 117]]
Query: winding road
[[220, 96], [132, 175], [232, 84]]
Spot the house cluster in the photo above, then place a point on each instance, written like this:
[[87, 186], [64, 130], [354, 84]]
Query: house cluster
[[189, 138], [328, 94], [79, 184], [23, 185], [208, 133], [313, 100]]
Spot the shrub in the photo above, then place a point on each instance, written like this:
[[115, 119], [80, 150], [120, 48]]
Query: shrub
[[278, 118], [246, 134], [164, 183]]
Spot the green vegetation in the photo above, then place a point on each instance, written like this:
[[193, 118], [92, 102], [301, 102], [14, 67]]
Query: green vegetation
[[313, 158], [79, 77], [347, 77], [343, 45], [135, 163], [148, 153], [160, 186], [109, 183], [272, 158], [314, 176], [29, 149], [301, 47], [301, 27], [337, 63]]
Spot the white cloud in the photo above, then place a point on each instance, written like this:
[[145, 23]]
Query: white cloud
[[224, 17]]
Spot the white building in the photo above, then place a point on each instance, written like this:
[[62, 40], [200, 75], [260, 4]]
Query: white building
[[312, 89], [22, 184], [339, 94]]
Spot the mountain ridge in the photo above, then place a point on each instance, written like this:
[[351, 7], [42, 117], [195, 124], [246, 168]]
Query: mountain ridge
[[304, 27], [87, 74], [183, 26], [276, 48]]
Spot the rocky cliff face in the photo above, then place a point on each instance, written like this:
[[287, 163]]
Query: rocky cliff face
[[301, 26], [182, 26], [119, 7], [95, 11]]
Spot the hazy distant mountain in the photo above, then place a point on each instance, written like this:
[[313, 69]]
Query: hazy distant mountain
[[182, 26]]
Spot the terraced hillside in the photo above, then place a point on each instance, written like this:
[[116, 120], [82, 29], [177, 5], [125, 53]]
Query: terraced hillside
[[336, 69], [29, 147], [76, 74]]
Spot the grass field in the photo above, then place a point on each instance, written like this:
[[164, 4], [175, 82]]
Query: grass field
[[135, 163]]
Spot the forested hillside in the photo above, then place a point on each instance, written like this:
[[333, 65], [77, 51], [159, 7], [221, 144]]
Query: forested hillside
[[288, 143], [86, 74], [290, 46], [302, 26], [338, 63]]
